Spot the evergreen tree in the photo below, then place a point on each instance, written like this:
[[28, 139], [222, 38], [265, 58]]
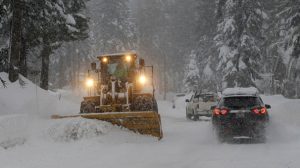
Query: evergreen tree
[[149, 20], [52, 23], [4, 35], [16, 35], [206, 31], [287, 26], [112, 28], [44, 24], [178, 39], [290, 20], [192, 75], [239, 40], [166, 36]]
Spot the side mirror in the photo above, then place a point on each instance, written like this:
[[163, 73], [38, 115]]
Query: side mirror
[[142, 62], [93, 66], [268, 106], [213, 107], [187, 100]]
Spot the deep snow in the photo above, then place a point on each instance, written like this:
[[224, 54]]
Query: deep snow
[[29, 139]]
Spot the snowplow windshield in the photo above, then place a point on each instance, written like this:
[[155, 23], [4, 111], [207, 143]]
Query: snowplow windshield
[[118, 69]]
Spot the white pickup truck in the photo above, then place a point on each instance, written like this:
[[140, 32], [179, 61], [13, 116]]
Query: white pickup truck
[[199, 105]]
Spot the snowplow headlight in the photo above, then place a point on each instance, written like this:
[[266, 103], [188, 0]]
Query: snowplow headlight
[[128, 58], [89, 83], [105, 60], [142, 79]]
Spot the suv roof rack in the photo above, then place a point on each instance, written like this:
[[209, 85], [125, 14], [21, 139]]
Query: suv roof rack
[[240, 91]]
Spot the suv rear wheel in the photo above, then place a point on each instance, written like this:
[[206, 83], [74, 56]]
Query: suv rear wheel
[[195, 117], [221, 135]]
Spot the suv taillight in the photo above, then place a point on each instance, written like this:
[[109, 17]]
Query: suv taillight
[[259, 110], [220, 111]]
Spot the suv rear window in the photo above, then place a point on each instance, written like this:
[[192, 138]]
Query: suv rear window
[[241, 102], [208, 98]]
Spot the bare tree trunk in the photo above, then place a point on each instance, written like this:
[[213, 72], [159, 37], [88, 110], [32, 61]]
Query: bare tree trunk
[[16, 38], [23, 60], [45, 54]]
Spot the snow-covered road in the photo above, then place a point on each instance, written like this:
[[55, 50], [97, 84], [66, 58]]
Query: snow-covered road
[[38, 142], [185, 144]]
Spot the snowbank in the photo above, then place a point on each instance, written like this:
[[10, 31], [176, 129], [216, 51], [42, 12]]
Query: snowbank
[[33, 100], [23, 108], [284, 119], [13, 130], [25, 118]]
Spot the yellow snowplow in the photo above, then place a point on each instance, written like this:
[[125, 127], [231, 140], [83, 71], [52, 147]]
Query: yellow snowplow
[[121, 92]]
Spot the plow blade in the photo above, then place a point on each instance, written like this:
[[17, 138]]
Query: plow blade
[[146, 123]]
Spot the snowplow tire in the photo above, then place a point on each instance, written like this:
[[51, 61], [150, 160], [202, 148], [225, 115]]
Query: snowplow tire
[[144, 103], [87, 107], [155, 106]]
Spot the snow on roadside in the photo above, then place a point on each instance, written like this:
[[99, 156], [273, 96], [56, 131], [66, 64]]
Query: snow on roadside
[[67, 130], [23, 107], [13, 130], [25, 117], [33, 100], [284, 119]]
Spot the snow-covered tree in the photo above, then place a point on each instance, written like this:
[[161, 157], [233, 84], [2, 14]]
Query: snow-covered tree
[[67, 60], [72, 27], [239, 40], [40, 27], [205, 48], [112, 26], [287, 44], [150, 18], [179, 38], [166, 32], [4, 34], [192, 74], [290, 22]]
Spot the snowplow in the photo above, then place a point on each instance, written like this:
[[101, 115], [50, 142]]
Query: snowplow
[[121, 91]]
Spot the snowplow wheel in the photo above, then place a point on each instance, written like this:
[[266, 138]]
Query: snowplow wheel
[[144, 103], [87, 107], [155, 106]]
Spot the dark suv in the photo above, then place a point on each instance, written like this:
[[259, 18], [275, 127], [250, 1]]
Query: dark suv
[[240, 113]]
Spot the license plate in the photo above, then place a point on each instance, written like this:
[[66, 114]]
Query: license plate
[[240, 115]]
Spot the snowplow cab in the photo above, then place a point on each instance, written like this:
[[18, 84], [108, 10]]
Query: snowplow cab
[[122, 83], [121, 91]]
